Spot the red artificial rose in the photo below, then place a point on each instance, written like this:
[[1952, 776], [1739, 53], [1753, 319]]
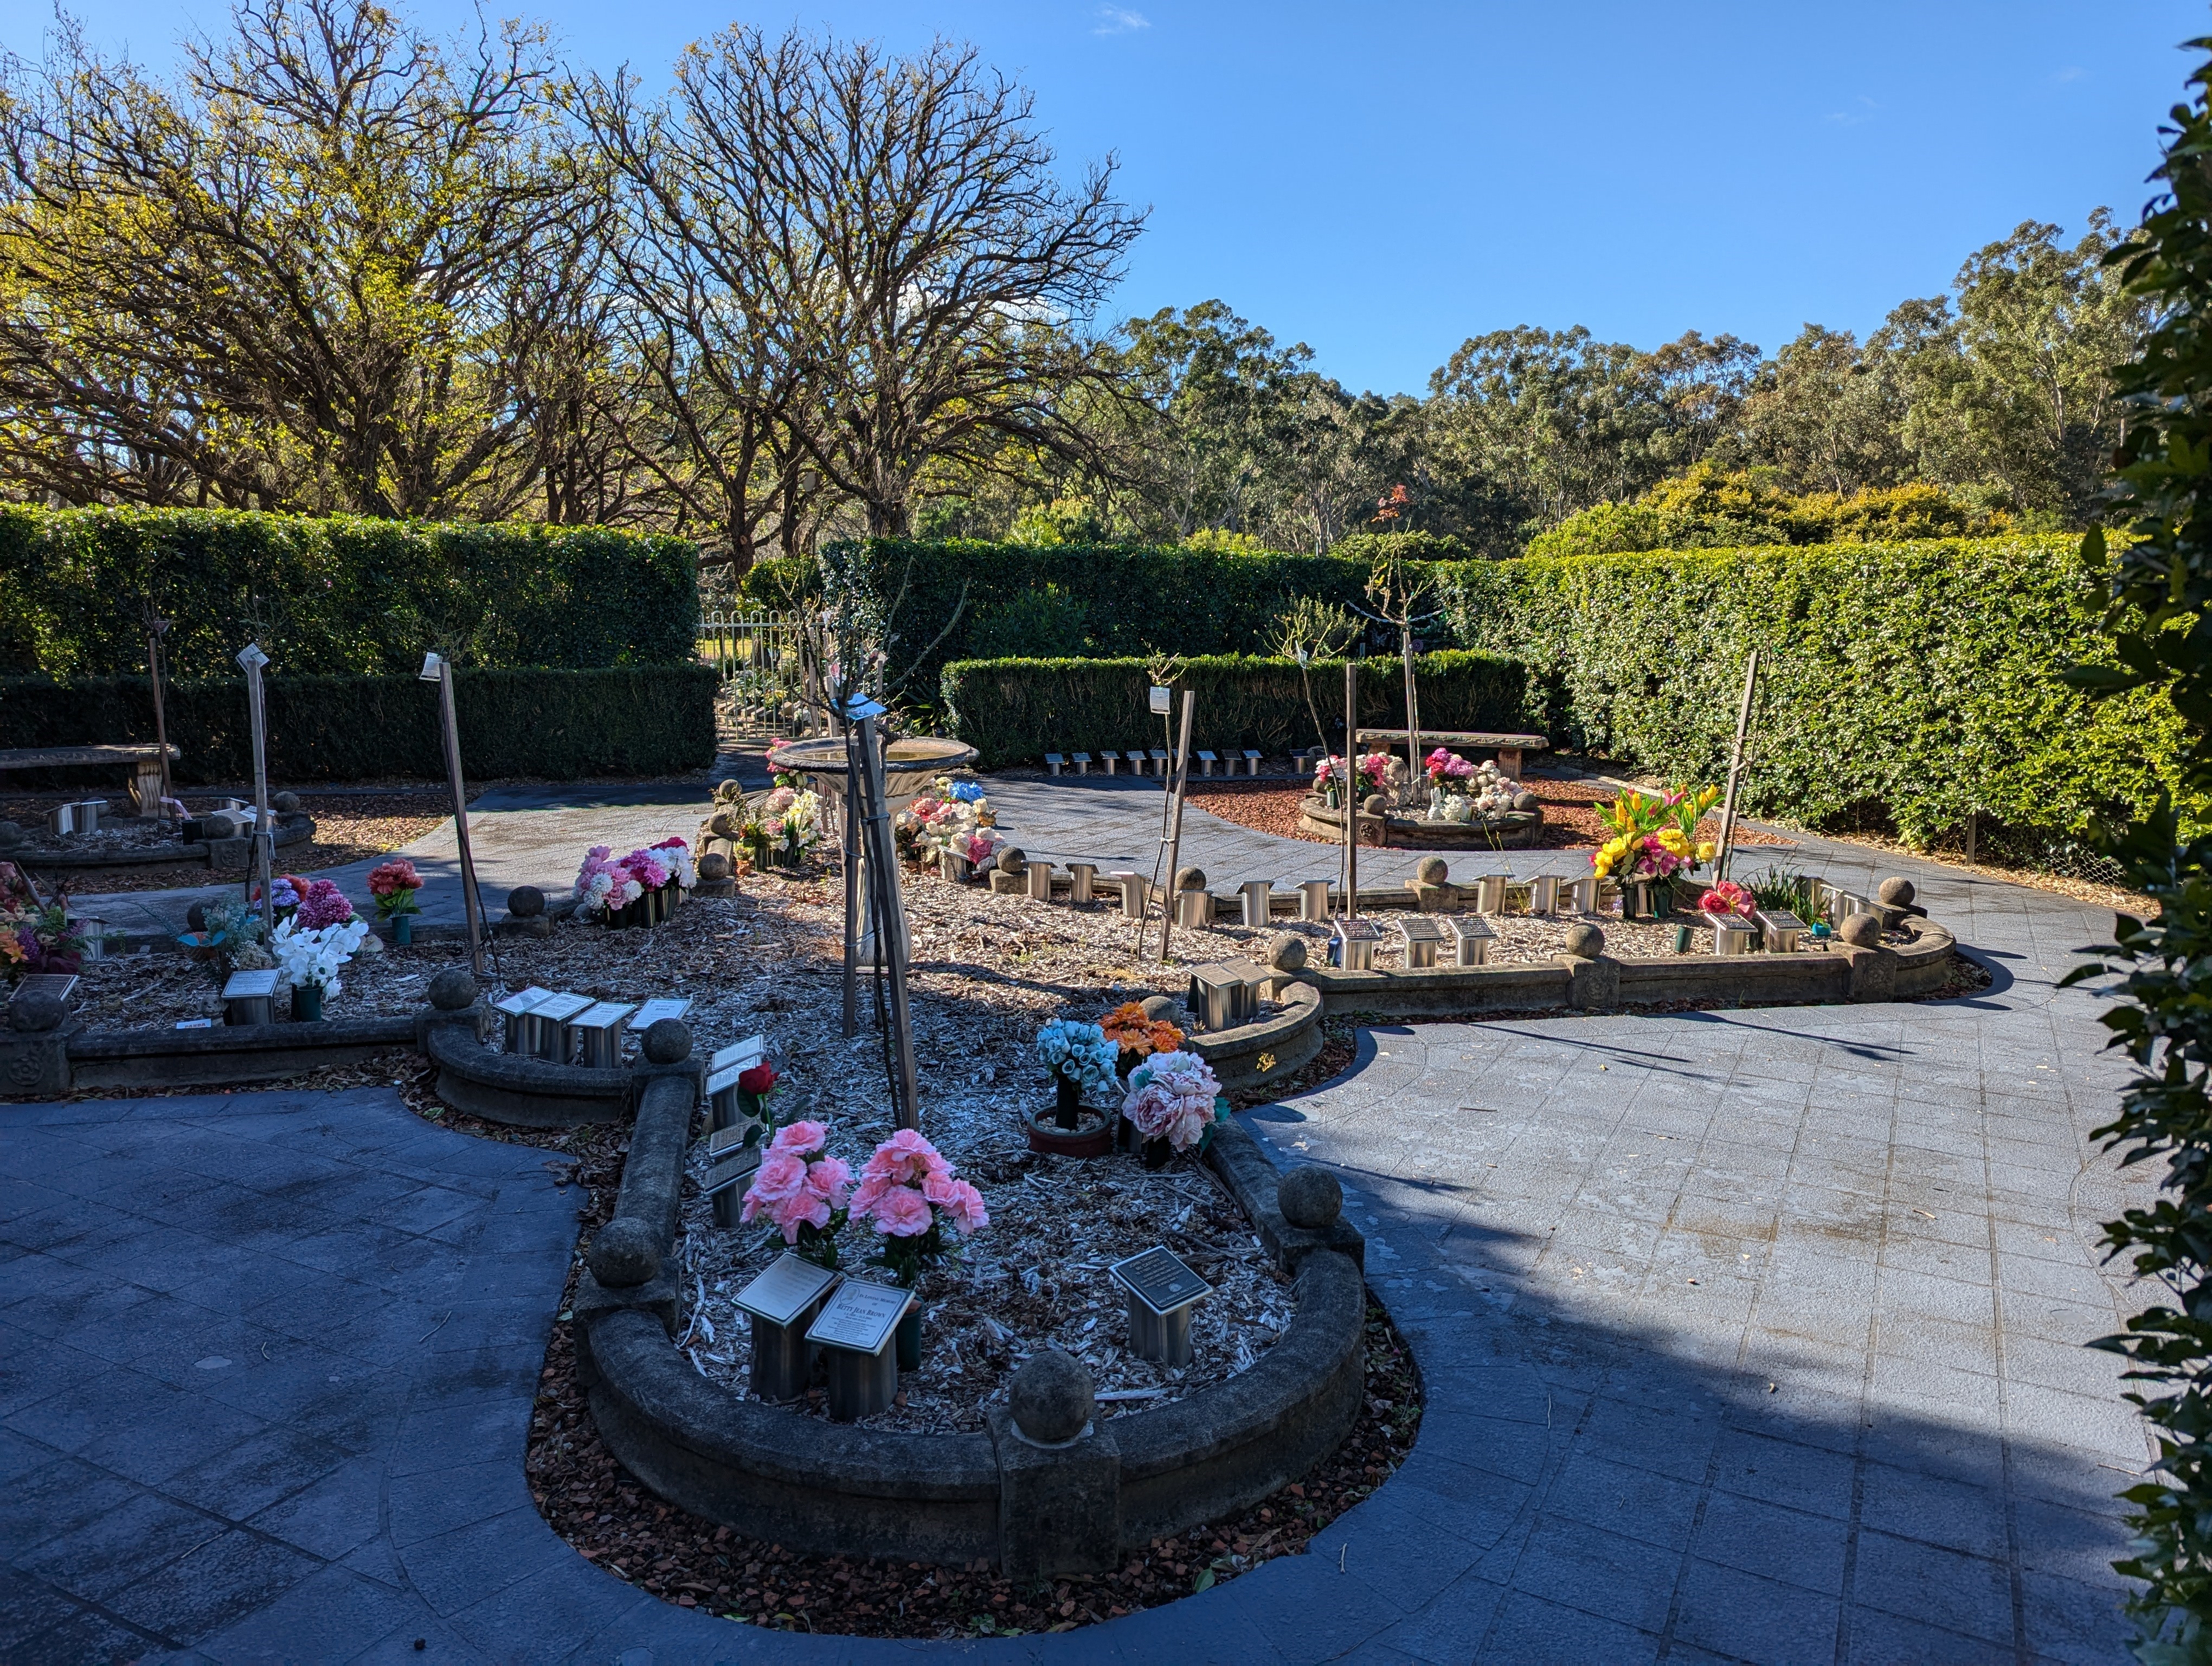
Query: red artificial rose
[[759, 1081]]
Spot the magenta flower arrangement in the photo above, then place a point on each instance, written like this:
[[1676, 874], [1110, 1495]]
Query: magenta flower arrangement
[[323, 905], [1445, 767]]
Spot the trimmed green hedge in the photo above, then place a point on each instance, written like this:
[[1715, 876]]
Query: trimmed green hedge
[[1014, 711], [334, 595], [1077, 600], [629, 719], [1905, 683]]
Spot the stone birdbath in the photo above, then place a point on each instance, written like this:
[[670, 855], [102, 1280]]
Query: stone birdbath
[[911, 763]]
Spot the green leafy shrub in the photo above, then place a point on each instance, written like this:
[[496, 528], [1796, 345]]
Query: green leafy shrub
[[628, 720], [1015, 711], [1368, 548], [341, 593], [1906, 684]]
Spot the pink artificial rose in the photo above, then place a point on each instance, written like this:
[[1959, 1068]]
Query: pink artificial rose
[[830, 1179], [965, 1207], [871, 1192], [799, 1138], [906, 1156], [804, 1210], [782, 1175], [903, 1213], [938, 1188]]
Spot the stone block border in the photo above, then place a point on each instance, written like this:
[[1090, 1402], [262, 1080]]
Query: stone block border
[[1841, 973], [221, 855], [1513, 829], [777, 1475]]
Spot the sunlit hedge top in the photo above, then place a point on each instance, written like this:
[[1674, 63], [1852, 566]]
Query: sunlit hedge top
[[337, 595]]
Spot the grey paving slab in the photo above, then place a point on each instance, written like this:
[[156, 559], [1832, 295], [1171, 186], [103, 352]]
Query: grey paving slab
[[1746, 1335]]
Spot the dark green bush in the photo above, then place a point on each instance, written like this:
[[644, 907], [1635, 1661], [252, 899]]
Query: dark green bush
[[627, 719], [1109, 600], [1017, 710], [1906, 684], [334, 595]]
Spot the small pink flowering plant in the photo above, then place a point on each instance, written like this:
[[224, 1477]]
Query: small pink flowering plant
[[801, 1190], [912, 1195], [1171, 1098]]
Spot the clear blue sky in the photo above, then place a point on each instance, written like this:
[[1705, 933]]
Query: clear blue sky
[[1381, 181]]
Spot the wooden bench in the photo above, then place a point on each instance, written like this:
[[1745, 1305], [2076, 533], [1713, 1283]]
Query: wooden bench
[[1509, 747], [145, 758]]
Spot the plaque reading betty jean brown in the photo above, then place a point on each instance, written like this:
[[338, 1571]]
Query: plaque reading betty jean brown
[[1160, 1280], [860, 1316]]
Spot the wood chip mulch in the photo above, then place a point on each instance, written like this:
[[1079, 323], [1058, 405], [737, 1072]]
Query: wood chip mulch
[[611, 1518]]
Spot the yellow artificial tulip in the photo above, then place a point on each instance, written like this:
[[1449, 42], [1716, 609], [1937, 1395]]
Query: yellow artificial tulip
[[1706, 850]]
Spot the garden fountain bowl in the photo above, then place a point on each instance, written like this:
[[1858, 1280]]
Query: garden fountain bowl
[[911, 763]]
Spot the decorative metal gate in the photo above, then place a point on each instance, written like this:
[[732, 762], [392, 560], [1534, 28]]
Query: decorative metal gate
[[758, 656]]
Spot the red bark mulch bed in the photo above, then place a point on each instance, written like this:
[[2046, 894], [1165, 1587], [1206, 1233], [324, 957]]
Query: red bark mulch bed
[[1571, 821]]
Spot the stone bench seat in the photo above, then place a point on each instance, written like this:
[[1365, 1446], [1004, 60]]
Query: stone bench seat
[[145, 757]]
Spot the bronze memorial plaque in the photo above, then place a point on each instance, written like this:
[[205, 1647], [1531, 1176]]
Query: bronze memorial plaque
[[785, 1290], [859, 1316], [1158, 1278]]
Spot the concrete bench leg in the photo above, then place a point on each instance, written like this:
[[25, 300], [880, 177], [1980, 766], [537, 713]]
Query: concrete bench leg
[[1509, 762]]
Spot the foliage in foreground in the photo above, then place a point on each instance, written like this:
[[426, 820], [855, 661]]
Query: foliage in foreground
[[2162, 587]]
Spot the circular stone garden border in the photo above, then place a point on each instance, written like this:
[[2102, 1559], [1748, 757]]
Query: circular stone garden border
[[1509, 830], [295, 827], [1032, 1510]]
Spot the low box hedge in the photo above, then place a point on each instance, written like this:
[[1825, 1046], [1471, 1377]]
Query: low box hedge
[[1014, 711], [625, 720]]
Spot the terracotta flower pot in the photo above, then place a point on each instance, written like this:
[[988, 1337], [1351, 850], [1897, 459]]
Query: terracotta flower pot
[[1045, 1135]]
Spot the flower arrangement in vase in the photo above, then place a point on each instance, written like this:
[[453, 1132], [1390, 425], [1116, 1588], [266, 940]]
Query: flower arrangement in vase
[[1173, 1101], [790, 825], [1726, 897], [801, 1190], [1082, 1063], [911, 1194], [1655, 837], [1137, 1036], [34, 937], [393, 885], [309, 947]]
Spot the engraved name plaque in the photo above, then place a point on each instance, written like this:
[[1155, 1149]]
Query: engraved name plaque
[[860, 1316], [785, 1290], [1158, 1278]]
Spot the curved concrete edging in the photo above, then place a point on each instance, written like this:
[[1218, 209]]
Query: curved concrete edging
[[295, 829], [777, 1475], [533, 1093], [1254, 1053], [1515, 829]]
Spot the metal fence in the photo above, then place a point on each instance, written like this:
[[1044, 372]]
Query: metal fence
[[757, 654]]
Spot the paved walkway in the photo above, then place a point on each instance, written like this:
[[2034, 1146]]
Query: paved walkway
[[1749, 1336]]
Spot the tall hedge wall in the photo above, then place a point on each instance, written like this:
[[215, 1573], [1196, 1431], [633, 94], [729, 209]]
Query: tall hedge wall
[[1075, 600], [337, 595], [1906, 683], [627, 719], [1014, 711]]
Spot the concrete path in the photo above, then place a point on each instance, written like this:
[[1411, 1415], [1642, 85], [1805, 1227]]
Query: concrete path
[[1750, 1336]]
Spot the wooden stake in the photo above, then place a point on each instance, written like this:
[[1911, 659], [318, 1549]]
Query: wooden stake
[[1175, 818], [1735, 768], [451, 724], [1351, 789]]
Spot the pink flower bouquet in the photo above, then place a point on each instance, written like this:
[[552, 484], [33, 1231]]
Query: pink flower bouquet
[[912, 1194], [801, 1191], [1171, 1098], [1726, 897], [1445, 767], [324, 904], [393, 885]]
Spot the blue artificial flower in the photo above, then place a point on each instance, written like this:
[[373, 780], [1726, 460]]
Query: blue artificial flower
[[968, 792]]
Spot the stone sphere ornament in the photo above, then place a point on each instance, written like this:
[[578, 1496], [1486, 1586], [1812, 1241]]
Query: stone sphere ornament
[[624, 1253], [1432, 870], [10, 836], [1860, 930], [1190, 878], [1287, 951], [1013, 859], [285, 804], [1375, 804], [219, 824], [714, 865], [453, 990], [196, 917], [1897, 892], [1584, 941], [1051, 1397], [526, 902], [1162, 1007], [1524, 800], [668, 1041], [1309, 1196]]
